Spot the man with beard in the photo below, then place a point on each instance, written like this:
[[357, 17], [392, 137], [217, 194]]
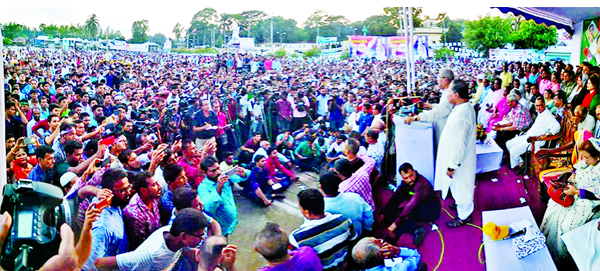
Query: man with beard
[[217, 195], [142, 216], [74, 161], [108, 232]]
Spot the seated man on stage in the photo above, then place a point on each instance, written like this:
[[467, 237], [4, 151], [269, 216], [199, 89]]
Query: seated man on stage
[[544, 124], [414, 201], [517, 120]]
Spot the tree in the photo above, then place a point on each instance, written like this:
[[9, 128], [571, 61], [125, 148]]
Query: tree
[[455, 29], [396, 17], [530, 35], [325, 25], [444, 53], [139, 31], [487, 33], [178, 30], [206, 15], [92, 25], [250, 19], [158, 38], [378, 25], [313, 52], [14, 30]]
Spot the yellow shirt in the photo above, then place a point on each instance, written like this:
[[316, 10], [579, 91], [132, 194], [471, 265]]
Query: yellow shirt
[[507, 79]]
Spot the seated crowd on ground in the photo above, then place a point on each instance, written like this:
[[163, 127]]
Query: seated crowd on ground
[[171, 140]]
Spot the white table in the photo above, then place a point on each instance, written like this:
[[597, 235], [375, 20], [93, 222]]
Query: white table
[[500, 256], [489, 157]]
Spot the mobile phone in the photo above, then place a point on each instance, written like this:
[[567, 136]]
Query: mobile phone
[[30, 140], [153, 137], [106, 162], [107, 141], [105, 202], [232, 171]]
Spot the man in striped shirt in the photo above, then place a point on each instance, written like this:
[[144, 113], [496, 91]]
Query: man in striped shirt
[[329, 235]]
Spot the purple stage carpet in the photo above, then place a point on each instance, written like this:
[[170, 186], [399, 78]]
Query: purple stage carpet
[[460, 246]]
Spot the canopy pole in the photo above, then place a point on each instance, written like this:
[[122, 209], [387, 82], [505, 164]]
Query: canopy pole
[[3, 176], [406, 55], [412, 48]]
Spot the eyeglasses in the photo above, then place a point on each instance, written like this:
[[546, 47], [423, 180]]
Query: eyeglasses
[[201, 236], [124, 190]]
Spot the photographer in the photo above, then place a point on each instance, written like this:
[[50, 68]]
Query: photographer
[[171, 122], [299, 104]]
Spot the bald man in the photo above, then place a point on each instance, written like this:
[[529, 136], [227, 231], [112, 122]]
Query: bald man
[[440, 112]]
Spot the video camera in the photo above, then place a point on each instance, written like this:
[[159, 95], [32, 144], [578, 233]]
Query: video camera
[[38, 210]]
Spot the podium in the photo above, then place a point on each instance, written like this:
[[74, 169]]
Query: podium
[[414, 144]]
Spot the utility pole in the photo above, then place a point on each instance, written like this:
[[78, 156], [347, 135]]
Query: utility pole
[[271, 32]]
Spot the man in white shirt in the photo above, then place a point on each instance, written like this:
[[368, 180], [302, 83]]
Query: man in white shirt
[[584, 120], [162, 247], [545, 123]]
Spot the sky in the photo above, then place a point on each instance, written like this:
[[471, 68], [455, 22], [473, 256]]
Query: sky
[[163, 15]]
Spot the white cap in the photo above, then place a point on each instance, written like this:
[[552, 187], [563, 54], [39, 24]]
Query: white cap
[[67, 178], [481, 76]]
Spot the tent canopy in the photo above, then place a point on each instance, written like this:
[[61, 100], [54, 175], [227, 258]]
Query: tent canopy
[[561, 17]]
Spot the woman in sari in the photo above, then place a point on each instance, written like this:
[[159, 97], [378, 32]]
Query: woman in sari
[[490, 102], [585, 188], [500, 110], [575, 91]]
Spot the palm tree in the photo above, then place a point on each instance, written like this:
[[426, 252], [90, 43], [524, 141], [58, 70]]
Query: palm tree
[[92, 26]]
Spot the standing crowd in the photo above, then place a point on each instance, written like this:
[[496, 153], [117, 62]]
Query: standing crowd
[[169, 141]]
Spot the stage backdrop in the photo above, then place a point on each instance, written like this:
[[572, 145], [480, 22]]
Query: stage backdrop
[[590, 42], [383, 48]]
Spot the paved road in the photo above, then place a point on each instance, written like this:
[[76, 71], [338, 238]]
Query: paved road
[[252, 218]]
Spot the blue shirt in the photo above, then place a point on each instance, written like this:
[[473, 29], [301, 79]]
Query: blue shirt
[[364, 121], [59, 151], [39, 175], [353, 206], [108, 236], [221, 206]]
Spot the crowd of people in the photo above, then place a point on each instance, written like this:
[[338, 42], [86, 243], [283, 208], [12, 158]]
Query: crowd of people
[[153, 149]]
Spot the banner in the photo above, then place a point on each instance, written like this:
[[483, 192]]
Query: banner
[[246, 43], [326, 39], [396, 47], [590, 42], [383, 48], [421, 47], [528, 55], [118, 45]]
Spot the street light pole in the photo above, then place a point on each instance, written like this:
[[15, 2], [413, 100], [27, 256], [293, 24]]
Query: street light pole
[[271, 32]]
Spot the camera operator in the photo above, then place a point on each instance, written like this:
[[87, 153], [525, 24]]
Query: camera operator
[[299, 103], [171, 122], [71, 255]]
